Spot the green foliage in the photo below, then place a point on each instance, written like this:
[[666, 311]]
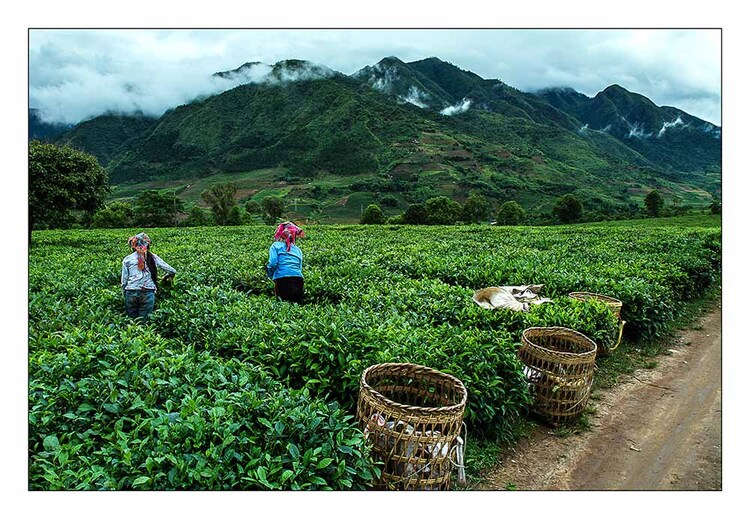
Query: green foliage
[[389, 201], [715, 206], [235, 216], [114, 215], [225, 377], [220, 197], [273, 208], [106, 135], [372, 215], [694, 145], [476, 208], [154, 208], [510, 213], [62, 180], [339, 131], [654, 203], [147, 414], [568, 209], [252, 207], [197, 217], [416, 214], [442, 210], [673, 221]]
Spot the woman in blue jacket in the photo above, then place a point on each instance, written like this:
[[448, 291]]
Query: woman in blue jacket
[[285, 263]]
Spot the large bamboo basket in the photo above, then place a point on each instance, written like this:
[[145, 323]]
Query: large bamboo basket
[[560, 369], [411, 415], [614, 304]]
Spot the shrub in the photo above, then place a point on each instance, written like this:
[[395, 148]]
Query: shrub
[[220, 197], [476, 208], [154, 208], [273, 207], [114, 215], [197, 217], [415, 214], [568, 209], [510, 213], [253, 207], [110, 402], [654, 203], [389, 201], [372, 215], [442, 210], [62, 180], [146, 416]]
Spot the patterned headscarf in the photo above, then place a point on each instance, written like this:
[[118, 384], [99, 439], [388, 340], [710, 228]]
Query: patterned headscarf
[[140, 243], [288, 232]]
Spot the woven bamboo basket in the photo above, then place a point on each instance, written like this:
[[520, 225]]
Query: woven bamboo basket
[[559, 366], [614, 304], [411, 416]]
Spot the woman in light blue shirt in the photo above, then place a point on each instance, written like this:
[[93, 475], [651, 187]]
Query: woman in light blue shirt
[[138, 278], [285, 263]]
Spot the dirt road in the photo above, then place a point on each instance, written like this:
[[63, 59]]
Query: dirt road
[[659, 430]]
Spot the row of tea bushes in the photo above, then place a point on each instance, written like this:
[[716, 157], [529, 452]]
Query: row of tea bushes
[[119, 407], [212, 391]]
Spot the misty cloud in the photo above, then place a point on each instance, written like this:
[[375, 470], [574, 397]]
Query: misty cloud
[[457, 108], [382, 83], [637, 131], [416, 97], [666, 126]]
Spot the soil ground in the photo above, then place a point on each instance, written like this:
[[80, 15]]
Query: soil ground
[[659, 429]]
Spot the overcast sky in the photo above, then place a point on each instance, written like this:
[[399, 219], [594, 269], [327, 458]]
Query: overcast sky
[[79, 74]]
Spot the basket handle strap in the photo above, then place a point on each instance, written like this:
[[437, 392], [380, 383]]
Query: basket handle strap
[[619, 338]]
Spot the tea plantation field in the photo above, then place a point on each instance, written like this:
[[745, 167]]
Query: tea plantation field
[[227, 388]]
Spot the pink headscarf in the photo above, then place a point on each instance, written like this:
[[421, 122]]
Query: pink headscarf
[[288, 232], [140, 243]]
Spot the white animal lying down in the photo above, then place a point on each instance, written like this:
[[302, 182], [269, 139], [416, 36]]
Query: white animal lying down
[[517, 298]]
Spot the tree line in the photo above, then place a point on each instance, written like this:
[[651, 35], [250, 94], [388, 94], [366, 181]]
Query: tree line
[[154, 208], [68, 187]]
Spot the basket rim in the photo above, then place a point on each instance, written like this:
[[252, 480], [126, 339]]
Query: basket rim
[[420, 409], [603, 297], [586, 340]]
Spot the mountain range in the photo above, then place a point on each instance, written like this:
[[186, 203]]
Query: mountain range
[[403, 132]]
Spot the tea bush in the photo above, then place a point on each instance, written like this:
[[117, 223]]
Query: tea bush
[[226, 387], [127, 409]]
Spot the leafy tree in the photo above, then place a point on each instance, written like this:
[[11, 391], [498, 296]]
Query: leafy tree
[[253, 207], [510, 213], [197, 217], [389, 201], [220, 197], [273, 207], [442, 210], [415, 214], [154, 208], [568, 209], [476, 208], [235, 216], [114, 215], [372, 215], [715, 206], [654, 203], [62, 180]]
